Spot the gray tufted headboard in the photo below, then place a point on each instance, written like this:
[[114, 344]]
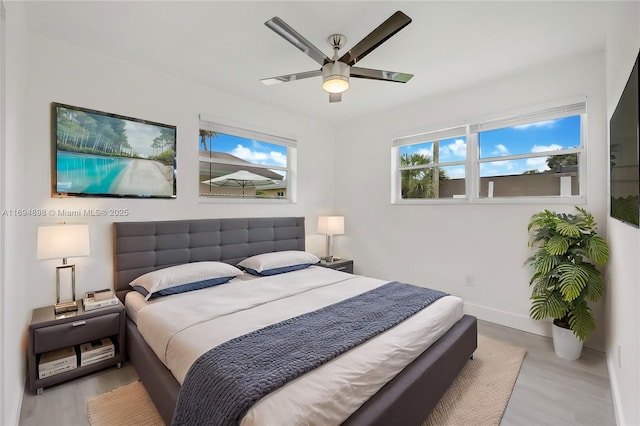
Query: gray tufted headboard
[[141, 247]]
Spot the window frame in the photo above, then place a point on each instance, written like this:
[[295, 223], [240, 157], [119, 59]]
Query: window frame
[[472, 177], [259, 135]]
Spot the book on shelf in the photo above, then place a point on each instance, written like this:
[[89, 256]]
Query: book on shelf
[[105, 294], [96, 348], [90, 301], [59, 358], [57, 370], [97, 358]]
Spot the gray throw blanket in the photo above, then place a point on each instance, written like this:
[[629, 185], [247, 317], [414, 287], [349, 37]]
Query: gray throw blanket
[[223, 384]]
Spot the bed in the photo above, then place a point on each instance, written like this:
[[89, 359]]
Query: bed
[[406, 396]]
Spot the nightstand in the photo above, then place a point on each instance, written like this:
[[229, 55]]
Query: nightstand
[[48, 332], [343, 265]]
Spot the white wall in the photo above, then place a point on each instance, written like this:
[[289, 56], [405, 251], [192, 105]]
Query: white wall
[[437, 245], [430, 245], [12, 267], [623, 328], [67, 74], [58, 72]]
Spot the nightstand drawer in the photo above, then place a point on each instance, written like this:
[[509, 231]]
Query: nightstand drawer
[[343, 265], [345, 268], [70, 333]]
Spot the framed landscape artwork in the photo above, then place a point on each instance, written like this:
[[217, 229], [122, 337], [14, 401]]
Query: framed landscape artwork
[[99, 154]]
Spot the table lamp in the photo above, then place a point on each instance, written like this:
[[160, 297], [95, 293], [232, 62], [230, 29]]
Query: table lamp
[[330, 225], [61, 242]]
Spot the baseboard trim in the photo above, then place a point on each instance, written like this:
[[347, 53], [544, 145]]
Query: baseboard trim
[[508, 319], [519, 322], [613, 381]]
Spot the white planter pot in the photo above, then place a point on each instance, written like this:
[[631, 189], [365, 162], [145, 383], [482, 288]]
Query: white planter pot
[[565, 343]]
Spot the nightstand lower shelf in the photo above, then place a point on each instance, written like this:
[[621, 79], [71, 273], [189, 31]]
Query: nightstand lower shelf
[[48, 333], [79, 371]]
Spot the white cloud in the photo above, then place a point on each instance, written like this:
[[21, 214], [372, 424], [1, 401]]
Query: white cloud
[[501, 150], [543, 148], [458, 148], [546, 123], [538, 163], [271, 158], [455, 172], [426, 152]]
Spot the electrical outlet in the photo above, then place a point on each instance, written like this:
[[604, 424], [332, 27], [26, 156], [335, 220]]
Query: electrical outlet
[[469, 280]]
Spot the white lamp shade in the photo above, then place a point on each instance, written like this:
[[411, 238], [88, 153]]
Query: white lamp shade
[[331, 225], [63, 241]]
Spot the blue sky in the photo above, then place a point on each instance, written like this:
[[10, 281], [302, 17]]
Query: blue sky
[[549, 135], [250, 150]]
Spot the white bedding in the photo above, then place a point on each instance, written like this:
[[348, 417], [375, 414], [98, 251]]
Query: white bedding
[[180, 328]]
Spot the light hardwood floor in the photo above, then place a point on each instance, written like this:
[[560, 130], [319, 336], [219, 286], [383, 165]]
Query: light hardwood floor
[[549, 390]]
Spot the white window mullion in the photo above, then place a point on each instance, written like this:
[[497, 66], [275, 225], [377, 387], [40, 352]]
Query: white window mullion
[[582, 157], [473, 179], [396, 180]]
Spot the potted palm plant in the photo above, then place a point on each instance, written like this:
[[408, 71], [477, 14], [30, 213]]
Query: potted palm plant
[[566, 277]]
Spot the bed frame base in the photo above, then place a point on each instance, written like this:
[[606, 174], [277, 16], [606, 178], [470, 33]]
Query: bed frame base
[[415, 391], [408, 398]]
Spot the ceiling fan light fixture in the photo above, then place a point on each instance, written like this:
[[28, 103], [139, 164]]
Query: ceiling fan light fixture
[[335, 77]]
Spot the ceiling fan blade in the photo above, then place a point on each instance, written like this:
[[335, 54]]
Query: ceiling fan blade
[[398, 77], [292, 36], [335, 97], [290, 77], [382, 33]]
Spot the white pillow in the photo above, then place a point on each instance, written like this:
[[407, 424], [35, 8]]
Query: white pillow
[[181, 278], [278, 262]]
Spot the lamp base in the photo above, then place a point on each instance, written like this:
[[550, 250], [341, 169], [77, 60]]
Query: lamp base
[[60, 308], [329, 258]]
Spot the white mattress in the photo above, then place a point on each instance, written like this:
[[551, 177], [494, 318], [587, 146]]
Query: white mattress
[[180, 328]]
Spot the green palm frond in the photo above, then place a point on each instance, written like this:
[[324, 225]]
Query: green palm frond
[[565, 276], [557, 245], [595, 286], [549, 305], [543, 219], [580, 320], [567, 229], [573, 279], [597, 249], [587, 219], [544, 262], [543, 284]]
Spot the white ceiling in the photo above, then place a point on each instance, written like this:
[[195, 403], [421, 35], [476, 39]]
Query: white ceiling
[[226, 45]]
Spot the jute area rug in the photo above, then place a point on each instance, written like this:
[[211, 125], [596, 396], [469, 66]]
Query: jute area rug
[[477, 397]]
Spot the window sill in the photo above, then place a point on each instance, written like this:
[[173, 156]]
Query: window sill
[[231, 200], [573, 200]]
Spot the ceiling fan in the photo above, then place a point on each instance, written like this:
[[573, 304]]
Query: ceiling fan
[[336, 71]]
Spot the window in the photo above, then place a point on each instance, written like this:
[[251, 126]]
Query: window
[[244, 164], [531, 155], [433, 165]]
